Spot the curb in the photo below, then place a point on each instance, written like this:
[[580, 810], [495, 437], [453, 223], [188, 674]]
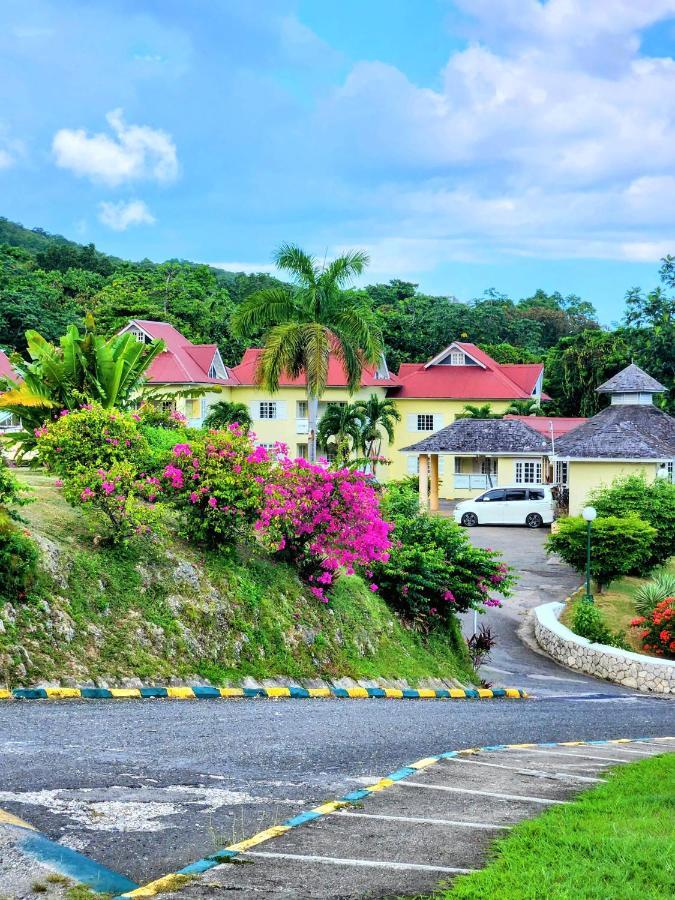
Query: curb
[[62, 859], [296, 693], [176, 880]]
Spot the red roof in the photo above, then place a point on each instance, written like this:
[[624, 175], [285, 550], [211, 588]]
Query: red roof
[[246, 370], [487, 381], [6, 370], [181, 362], [542, 424]]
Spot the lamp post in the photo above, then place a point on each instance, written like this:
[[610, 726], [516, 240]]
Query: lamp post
[[588, 513]]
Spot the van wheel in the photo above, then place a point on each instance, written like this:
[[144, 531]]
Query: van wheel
[[534, 520], [469, 520]]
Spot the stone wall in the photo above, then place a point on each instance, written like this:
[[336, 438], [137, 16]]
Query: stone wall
[[633, 670]]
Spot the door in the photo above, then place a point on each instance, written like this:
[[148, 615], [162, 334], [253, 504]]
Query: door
[[516, 506], [492, 505]]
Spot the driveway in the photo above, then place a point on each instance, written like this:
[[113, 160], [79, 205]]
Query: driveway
[[516, 659]]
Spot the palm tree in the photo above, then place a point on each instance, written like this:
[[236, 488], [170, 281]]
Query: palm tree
[[223, 413], [378, 416], [85, 367], [306, 322], [529, 407], [479, 412], [343, 423]]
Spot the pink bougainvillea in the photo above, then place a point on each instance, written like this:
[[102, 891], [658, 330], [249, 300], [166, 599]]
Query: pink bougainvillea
[[323, 521]]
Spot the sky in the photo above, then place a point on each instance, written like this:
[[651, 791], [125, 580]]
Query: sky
[[513, 144]]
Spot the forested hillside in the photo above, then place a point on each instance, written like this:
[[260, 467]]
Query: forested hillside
[[47, 282]]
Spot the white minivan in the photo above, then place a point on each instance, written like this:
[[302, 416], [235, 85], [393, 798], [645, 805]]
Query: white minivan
[[517, 504]]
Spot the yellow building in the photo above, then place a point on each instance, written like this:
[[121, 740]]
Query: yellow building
[[631, 436]]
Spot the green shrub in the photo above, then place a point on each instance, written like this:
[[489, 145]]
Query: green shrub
[[12, 493], [90, 438], [158, 417], [588, 622], [18, 560], [654, 592], [161, 442], [400, 500], [651, 501], [618, 546], [434, 572], [658, 629]]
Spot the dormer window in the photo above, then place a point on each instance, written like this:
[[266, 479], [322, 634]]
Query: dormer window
[[139, 335], [457, 358]]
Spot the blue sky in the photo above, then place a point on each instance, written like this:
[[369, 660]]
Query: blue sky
[[462, 148]]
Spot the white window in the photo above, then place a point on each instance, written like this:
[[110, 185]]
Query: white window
[[671, 471], [457, 358], [561, 473], [139, 335], [167, 405], [413, 465], [301, 451], [528, 472], [425, 422], [458, 465], [301, 409], [268, 409]]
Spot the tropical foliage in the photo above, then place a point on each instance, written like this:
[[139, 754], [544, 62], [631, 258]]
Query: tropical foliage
[[378, 418], [484, 411], [305, 323], [525, 408], [341, 427], [226, 413], [658, 629]]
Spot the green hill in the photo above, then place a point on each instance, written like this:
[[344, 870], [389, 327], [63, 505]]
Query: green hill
[[104, 615]]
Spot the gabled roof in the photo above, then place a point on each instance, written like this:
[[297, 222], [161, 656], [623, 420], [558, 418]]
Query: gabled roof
[[6, 370], [544, 424], [488, 380], [622, 432], [181, 362], [246, 370], [484, 436], [631, 380]]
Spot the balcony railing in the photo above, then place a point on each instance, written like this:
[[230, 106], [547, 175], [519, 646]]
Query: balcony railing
[[475, 482]]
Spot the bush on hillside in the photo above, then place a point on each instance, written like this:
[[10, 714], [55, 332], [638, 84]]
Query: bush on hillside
[[658, 629], [161, 442], [322, 521], [122, 504], [12, 494], [157, 417], [618, 546], [651, 501], [18, 560], [434, 572], [90, 438], [216, 481]]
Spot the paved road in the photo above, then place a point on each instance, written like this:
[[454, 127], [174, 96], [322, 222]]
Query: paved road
[[147, 786]]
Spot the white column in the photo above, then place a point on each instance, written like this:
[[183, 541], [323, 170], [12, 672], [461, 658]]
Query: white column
[[424, 481]]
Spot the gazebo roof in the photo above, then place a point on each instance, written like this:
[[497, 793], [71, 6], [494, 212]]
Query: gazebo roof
[[621, 432], [493, 437], [631, 380]]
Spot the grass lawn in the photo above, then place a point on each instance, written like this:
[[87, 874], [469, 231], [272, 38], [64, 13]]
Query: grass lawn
[[617, 606], [615, 841]]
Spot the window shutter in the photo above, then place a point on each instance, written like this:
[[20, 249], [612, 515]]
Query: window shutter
[[282, 409], [254, 406], [441, 465], [412, 422], [413, 465], [438, 423]]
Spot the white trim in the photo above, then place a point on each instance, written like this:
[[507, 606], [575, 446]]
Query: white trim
[[134, 324], [417, 820], [541, 773], [453, 346], [609, 459]]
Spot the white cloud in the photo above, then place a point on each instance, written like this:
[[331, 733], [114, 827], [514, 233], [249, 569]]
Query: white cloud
[[122, 215], [6, 159], [135, 152], [248, 267]]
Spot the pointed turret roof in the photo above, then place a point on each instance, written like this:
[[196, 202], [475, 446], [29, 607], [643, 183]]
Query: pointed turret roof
[[631, 380]]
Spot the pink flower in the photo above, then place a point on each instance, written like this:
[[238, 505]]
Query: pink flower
[[194, 497], [86, 494], [373, 587], [182, 450], [213, 502], [58, 483], [108, 487]]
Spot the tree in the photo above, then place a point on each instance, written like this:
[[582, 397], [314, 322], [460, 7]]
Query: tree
[[508, 353], [479, 412], [577, 365], [85, 367], [528, 407], [224, 413], [305, 323], [379, 415], [343, 424]]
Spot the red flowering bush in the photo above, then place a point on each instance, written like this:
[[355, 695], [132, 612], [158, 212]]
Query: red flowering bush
[[89, 438], [322, 521], [658, 629], [124, 504], [216, 481]]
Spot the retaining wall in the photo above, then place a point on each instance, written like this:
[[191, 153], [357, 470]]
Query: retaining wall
[[645, 673]]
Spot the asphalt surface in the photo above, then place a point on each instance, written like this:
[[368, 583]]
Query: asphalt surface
[[146, 787]]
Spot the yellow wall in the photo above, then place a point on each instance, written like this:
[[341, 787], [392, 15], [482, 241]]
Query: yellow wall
[[404, 437], [286, 429], [586, 476]]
